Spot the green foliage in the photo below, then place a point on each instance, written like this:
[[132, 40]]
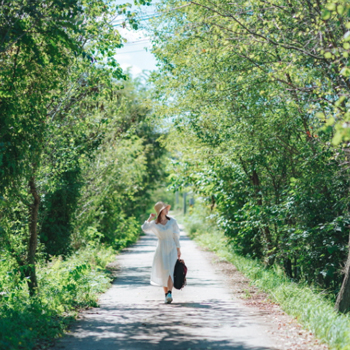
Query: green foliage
[[58, 208], [199, 219], [79, 152], [94, 181], [311, 308], [251, 101], [57, 59], [37, 60], [121, 174], [162, 194], [65, 287]]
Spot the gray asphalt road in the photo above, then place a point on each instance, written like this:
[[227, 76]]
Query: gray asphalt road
[[132, 313]]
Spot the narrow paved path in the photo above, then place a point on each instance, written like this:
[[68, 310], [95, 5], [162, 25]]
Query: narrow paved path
[[132, 313]]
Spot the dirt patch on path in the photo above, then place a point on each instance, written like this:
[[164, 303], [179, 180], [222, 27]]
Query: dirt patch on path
[[285, 329]]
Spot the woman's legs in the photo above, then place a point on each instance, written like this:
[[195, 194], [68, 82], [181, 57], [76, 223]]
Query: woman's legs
[[168, 291], [170, 285]]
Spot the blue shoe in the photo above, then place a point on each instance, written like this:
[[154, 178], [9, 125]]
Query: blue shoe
[[168, 298]]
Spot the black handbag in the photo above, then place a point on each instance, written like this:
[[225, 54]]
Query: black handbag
[[180, 272]]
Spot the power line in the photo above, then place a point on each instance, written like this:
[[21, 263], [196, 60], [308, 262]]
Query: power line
[[127, 44], [121, 53], [147, 16], [144, 18]]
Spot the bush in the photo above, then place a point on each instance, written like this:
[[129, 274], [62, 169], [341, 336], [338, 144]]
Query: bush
[[312, 307], [64, 288]]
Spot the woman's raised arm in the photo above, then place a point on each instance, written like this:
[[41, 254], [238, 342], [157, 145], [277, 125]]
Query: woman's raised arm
[[148, 225]]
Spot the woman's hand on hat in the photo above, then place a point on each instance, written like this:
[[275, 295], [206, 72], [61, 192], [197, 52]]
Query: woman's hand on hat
[[151, 217]]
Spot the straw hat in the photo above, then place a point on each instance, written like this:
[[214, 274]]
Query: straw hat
[[160, 206]]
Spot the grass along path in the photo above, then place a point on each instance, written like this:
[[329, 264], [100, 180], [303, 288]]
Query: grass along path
[[310, 308], [65, 287]]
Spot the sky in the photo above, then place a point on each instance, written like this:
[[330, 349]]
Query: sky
[[136, 53]]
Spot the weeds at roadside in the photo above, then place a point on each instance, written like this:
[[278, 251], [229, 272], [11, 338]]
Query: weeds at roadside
[[310, 307], [64, 288]]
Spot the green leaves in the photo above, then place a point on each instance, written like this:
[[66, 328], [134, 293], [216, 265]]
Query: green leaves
[[326, 15], [60, 83], [65, 287], [263, 104]]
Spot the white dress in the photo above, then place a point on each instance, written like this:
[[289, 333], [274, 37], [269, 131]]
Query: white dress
[[166, 254]]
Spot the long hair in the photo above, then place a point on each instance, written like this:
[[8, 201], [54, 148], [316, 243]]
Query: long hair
[[158, 217]]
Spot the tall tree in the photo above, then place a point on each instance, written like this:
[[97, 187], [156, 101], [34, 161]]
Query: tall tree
[[41, 42], [258, 89]]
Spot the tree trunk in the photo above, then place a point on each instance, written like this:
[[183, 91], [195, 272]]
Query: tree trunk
[[266, 230], [212, 203], [256, 183], [288, 267], [33, 237], [343, 300]]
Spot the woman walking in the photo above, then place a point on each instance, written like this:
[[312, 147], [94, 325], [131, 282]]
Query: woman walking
[[168, 248]]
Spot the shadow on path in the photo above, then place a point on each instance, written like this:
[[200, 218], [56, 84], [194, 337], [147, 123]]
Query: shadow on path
[[132, 315], [155, 327]]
